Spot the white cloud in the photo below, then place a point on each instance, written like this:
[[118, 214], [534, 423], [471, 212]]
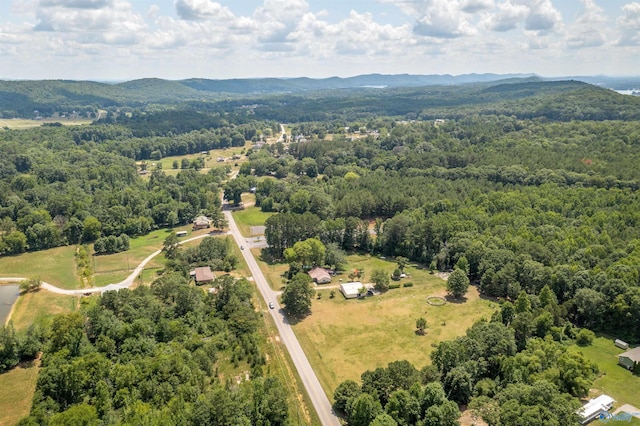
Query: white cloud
[[542, 16], [473, 6], [442, 19], [196, 10], [589, 27], [90, 21], [507, 18], [629, 25]]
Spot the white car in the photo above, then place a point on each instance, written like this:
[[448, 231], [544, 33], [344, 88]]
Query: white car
[[271, 305]]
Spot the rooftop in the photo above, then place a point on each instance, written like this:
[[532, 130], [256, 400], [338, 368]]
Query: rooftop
[[633, 354]]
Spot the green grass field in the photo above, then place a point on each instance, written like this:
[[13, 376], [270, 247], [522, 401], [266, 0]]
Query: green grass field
[[343, 338], [18, 386], [40, 307], [615, 380], [211, 160], [248, 217], [56, 266]]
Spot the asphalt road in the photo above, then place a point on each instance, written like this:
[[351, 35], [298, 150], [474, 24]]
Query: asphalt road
[[309, 380]]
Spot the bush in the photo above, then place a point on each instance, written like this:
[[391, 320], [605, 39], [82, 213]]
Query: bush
[[585, 337], [408, 284], [394, 286]]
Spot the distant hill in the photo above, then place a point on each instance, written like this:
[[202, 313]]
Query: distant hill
[[47, 98]]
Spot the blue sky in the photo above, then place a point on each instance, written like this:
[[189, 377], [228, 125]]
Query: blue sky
[[175, 39]]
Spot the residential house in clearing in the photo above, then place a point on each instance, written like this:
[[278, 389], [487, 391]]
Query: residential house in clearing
[[630, 359], [320, 275], [201, 222], [204, 275], [354, 289]]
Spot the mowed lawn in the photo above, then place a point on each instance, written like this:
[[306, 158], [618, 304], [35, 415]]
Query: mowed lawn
[[248, 217], [343, 338], [615, 381], [40, 307], [56, 266]]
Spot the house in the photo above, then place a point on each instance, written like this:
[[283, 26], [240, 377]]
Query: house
[[594, 408], [201, 222], [630, 359], [621, 344], [204, 275], [353, 290], [320, 275]]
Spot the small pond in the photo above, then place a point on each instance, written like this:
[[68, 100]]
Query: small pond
[[8, 296]]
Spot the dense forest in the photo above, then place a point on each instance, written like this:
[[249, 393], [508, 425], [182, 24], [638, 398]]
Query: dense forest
[[63, 185], [153, 356], [529, 189]]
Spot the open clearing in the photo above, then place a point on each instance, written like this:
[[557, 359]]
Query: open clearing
[[21, 123], [248, 217], [343, 338], [18, 386], [56, 266], [615, 381]]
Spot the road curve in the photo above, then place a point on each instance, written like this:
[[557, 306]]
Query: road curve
[[309, 379], [126, 283]]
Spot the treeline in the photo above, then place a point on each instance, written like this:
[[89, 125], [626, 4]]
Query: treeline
[[503, 376], [153, 356]]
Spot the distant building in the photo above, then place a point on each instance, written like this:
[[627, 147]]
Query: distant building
[[630, 359], [594, 408], [201, 222], [204, 275], [320, 275]]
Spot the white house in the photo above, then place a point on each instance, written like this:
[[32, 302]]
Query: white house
[[351, 290], [594, 408]]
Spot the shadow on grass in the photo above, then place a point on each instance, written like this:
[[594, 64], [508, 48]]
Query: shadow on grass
[[456, 300]]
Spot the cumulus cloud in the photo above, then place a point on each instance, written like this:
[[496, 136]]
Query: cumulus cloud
[[90, 21], [629, 25], [442, 19], [197, 10], [473, 6], [539, 16], [587, 31], [507, 18], [277, 19]]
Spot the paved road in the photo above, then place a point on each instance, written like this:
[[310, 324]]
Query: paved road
[[312, 385]]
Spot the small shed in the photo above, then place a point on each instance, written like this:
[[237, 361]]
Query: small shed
[[204, 275], [594, 408], [320, 275], [630, 359], [621, 344]]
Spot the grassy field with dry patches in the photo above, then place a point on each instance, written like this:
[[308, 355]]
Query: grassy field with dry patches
[[56, 266], [343, 338], [22, 123], [18, 386]]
